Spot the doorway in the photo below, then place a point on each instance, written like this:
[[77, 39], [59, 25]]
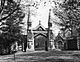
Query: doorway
[[39, 42]]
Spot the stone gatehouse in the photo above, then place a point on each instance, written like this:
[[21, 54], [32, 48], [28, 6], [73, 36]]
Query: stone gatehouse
[[38, 37]]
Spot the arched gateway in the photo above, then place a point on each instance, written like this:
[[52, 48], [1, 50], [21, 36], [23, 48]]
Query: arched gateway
[[38, 38], [40, 41]]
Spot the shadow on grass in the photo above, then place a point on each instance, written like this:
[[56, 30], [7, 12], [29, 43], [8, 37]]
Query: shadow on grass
[[8, 53], [57, 60], [76, 55]]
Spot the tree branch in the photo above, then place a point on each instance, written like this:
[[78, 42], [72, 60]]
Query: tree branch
[[9, 14], [2, 5]]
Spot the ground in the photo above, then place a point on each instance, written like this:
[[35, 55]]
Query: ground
[[42, 56]]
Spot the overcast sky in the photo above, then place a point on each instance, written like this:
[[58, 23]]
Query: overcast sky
[[41, 13]]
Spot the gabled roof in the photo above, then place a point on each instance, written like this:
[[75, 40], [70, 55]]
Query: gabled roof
[[40, 34], [59, 37], [39, 27]]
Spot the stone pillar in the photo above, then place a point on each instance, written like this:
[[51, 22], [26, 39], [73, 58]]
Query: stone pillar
[[52, 44], [16, 46], [57, 45], [30, 44], [23, 46], [78, 43]]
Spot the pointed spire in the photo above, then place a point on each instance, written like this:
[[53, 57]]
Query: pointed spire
[[49, 17], [28, 19], [39, 22]]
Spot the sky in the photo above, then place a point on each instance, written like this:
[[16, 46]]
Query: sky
[[41, 14]]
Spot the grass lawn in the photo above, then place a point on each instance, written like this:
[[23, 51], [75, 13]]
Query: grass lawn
[[46, 56]]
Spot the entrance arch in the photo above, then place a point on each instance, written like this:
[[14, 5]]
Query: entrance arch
[[60, 45], [39, 42], [40, 37]]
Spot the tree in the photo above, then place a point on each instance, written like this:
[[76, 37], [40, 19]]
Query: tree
[[3, 4], [69, 15], [10, 22]]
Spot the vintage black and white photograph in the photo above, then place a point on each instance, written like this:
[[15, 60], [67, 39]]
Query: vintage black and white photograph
[[39, 30]]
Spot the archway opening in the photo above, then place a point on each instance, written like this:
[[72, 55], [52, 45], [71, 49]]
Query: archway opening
[[60, 45], [39, 42], [72, 44]]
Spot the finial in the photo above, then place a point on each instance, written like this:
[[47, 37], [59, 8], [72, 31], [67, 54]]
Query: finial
[[49, 9], [39, 22]]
